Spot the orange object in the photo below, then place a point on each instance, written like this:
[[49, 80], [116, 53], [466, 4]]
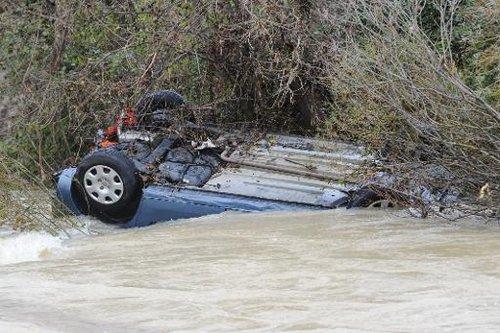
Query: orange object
[[107, 143], [126, 119], [110, 137], [129, 118]]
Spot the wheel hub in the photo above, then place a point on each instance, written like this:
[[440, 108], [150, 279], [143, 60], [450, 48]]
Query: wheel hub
[[103, 184]]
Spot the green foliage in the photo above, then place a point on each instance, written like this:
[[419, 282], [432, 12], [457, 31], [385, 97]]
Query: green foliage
[[474, 42]]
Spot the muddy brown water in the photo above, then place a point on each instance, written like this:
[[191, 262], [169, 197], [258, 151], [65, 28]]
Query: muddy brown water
[[309, 271]]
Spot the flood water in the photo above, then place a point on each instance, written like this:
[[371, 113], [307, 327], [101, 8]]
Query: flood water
[[318, 271]]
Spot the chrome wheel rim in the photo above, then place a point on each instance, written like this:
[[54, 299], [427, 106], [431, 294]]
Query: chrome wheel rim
[[103, 184]]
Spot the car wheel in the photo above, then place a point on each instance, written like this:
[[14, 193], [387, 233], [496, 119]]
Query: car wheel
[[109, 183], [363, 198], [160, 100]]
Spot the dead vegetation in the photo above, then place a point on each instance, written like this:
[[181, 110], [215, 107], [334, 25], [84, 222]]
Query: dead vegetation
[[396, 76], [28, 204]]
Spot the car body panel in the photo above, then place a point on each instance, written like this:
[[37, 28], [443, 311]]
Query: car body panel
[[166, 203]]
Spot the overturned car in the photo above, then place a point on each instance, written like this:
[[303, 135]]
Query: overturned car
[[149, 168]]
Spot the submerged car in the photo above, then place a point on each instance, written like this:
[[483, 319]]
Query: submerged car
[[150, 167]]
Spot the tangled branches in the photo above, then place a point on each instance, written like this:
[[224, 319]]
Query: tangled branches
[[441, 139], [392, 75]]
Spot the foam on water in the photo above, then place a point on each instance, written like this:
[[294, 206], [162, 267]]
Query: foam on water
[[30, 246]]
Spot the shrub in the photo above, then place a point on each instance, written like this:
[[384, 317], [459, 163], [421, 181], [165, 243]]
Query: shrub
[[414, 81]]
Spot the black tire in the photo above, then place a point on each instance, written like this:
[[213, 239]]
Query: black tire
[[131, 186], [163, 99], [363, 198]]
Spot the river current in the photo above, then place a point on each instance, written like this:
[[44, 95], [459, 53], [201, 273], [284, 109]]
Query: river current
[[359, 271]]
